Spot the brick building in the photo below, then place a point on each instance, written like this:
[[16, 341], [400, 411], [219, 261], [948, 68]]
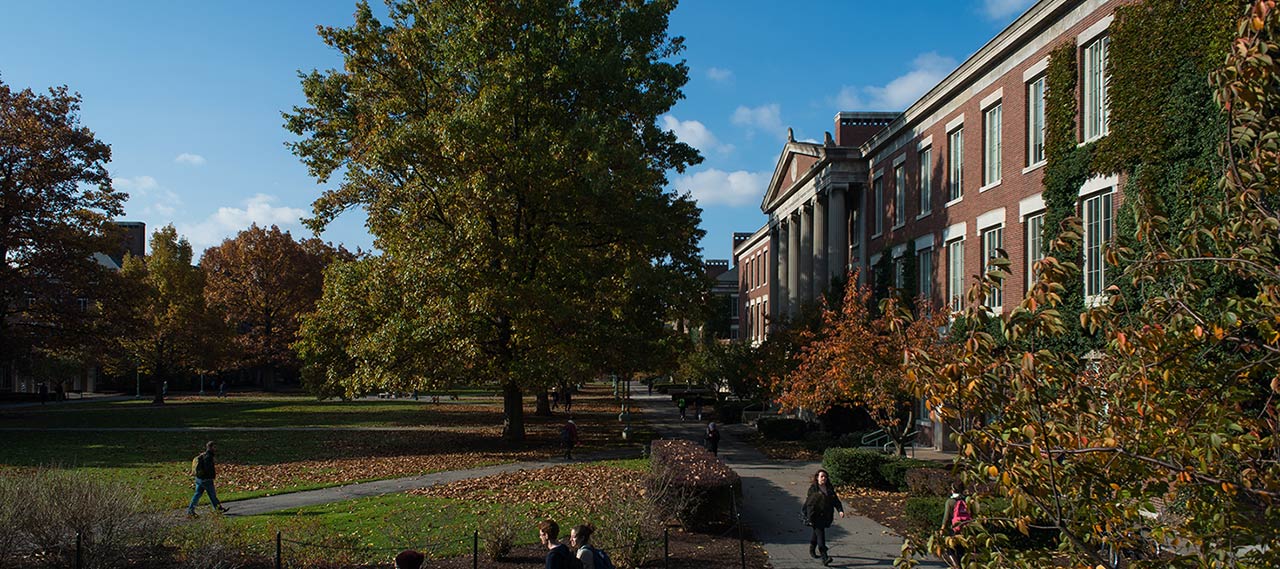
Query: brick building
[[957, 176]]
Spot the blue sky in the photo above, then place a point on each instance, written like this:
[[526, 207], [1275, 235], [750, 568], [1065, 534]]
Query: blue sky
[[189, 94]]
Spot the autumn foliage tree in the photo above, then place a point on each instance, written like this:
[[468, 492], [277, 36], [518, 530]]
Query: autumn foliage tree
[[1159, 448], [858, 356], [262, 281], [56, 202]]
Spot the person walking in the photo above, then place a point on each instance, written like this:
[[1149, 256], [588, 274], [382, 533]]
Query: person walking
[[44, 392], [558, 556], [682, 406], [410, 559], [820, 506], [568, 438], [713, 438], [697, 407], [567, 394], [222, 388], [955, 515], [204, 471], [580, 544]]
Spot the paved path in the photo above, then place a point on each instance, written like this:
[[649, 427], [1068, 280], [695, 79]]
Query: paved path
[[773, 492]]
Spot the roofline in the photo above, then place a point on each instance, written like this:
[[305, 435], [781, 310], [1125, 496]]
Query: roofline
[[1026, 24], [750, 242]]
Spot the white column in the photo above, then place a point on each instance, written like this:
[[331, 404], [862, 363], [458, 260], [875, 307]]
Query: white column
[[821, 276], [837, 231], [793, 264], [806, 253], [776, 276]]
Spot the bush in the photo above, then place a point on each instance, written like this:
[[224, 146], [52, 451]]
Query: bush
[[818, 441], [782, 428], [924, 513], [729, 412], [695, 486], [855, 467], [851, 440], [894, 471], [929, 481], [498, 535]]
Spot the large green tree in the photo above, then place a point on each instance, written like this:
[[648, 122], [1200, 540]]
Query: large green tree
[[509, 159], [56, 201], [262, 281], [172, 331]]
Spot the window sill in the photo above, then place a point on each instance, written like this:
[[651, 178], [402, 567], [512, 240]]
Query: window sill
[[953, 202], [1091, 140], [924, 214], [1034, 167], [876, 235], [898, 226], [991, 186]]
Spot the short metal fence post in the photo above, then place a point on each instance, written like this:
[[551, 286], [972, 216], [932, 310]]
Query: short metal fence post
[[279, 558], [742, 545], [475, 549], [79, 549]]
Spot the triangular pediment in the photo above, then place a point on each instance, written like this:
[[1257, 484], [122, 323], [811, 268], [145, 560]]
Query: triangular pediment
[[794, 163]]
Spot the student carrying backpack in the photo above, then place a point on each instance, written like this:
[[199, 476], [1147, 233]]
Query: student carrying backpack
[[955, 516], [588, 555]]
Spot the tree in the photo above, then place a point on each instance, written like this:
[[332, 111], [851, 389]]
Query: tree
[[56, 201], [1166, 435], [262, 282], [509, 159], [857, 356], [173, 330]]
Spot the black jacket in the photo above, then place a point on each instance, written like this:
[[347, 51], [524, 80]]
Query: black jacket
[[820, 507]]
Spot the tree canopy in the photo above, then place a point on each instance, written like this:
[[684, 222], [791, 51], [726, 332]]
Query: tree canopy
[[509, 159]]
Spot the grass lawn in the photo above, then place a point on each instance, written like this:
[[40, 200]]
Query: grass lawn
[[441, 520], [425, 437]]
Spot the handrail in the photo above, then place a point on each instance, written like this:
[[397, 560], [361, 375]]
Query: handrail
[[873, 438]]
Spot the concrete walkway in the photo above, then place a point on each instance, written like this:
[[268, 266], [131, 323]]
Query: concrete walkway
[[773, 492]]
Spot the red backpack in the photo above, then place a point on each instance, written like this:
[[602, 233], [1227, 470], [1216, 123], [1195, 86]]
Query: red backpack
[[960, 515]]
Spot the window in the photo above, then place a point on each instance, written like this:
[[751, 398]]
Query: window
[[926, 180], [991, 145], [1096, 115], [1097, 234], [1035, 246], [955, 146], [733, 303], [899, 196], [925, 259], [955, 274], [877, 209], [1035, 122], [992, 243]]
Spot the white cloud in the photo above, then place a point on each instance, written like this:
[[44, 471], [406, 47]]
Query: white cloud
[[228, 221], [190, 159], [927, 70], [767, 118], [720, 75], [695, 134], [717, 187], [135, 184], [1002, 9]]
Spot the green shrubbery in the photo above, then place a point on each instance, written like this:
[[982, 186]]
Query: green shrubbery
[[857, 467], [782, 428]]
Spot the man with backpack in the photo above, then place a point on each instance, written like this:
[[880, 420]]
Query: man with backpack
[[588, 555], [204, 471], [955, 516]]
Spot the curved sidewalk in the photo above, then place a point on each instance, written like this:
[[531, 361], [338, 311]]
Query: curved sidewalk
[[773, 492]]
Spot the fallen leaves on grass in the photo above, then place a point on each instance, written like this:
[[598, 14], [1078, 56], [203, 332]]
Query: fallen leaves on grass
[[887, 508], [556, 484]]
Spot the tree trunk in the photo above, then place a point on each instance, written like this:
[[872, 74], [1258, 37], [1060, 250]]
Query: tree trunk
[[513, 412], [157, 384], [544, 404]]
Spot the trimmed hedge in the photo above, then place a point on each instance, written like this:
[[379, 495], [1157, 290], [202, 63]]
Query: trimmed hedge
[[782, 428], [924, 513], [929, 481], [699, 487], [894, 471], [854, 466]]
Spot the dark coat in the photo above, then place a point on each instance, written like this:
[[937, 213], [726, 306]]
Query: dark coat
[[820, 508]]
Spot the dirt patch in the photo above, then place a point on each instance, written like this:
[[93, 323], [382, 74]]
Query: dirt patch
[[887, 508]]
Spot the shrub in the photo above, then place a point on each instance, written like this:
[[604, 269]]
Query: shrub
[[782, 428], [924, 513], [498, 536], [851, 440], [693, 484], [731, 411], [853, 466], [929, 481], [627, 529], [894, 471]]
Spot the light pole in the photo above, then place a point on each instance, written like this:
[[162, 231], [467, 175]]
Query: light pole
[[137, 381]]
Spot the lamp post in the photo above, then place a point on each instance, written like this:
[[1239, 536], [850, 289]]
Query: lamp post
[[137, 381]]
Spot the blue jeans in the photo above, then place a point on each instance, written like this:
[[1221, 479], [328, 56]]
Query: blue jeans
[[203, 485]]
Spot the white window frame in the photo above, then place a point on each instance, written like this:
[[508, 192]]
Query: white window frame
[[992, 243], [1036, 131], [955, 165], [1097, 114], [926, 181], [1034, 228], [992, 147], [924, 273], [899, 196], [955, 274], [1098, 213]]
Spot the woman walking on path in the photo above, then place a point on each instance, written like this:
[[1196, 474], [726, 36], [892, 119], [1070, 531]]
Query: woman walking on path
[[820, 506], [955, 515], [713, 439]]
